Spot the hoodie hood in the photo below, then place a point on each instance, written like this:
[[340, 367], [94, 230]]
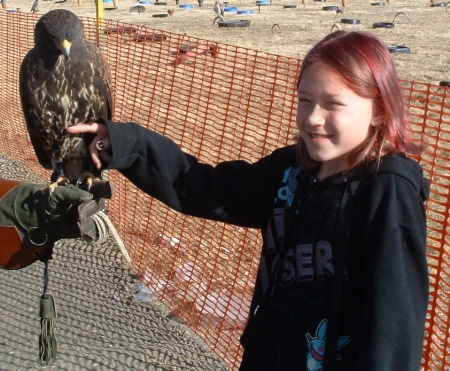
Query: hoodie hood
[[399, 165], [408, 169]]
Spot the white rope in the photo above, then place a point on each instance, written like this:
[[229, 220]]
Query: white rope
[[106, 228]]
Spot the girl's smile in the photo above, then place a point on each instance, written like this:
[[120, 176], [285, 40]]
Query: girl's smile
[[319, 137]]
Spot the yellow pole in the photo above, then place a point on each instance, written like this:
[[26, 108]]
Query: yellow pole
[[99, 7], [100, 21]]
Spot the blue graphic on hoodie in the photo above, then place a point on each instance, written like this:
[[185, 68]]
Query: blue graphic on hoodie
[[316, 347]]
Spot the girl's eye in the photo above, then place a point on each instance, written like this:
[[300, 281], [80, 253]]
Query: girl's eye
[[303, 100], [335, 103]]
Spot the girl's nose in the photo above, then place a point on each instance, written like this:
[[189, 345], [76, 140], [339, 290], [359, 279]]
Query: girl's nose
[[315, 116]]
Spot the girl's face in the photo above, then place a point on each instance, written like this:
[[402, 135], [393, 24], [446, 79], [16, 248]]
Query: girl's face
[[332, 119]]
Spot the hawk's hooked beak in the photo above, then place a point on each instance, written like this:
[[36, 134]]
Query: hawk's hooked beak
[[65, 48]]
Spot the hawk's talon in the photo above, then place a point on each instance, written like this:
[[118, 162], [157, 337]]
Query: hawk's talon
[[86, 180], [60, 182]]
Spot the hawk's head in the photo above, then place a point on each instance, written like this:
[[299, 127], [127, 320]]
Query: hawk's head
[[58, 30]]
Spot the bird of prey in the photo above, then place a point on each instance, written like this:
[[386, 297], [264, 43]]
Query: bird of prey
[[35, 6], [219, 9], [64, 80]]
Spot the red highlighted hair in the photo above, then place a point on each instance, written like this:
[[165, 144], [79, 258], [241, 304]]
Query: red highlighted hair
[[365, 65]]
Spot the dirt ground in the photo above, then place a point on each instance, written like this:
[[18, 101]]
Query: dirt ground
[[423, 28]]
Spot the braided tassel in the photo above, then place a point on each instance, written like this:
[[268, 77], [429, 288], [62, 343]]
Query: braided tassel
[[47, 338]]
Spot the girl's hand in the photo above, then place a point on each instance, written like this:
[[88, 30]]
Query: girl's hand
[[100, 147]]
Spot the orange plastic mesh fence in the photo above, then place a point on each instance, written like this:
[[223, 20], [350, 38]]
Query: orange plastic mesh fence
[[218, 102]]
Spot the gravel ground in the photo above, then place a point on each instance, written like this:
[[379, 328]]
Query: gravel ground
[[106, 320]]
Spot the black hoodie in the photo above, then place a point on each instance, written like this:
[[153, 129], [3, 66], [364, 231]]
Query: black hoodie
[[385, 292]]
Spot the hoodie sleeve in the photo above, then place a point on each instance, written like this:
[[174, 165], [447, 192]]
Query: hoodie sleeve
[[394, 272], [234, 192]]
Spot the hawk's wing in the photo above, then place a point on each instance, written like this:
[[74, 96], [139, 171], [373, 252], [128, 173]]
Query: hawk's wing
[[33, 90], [96, 83]]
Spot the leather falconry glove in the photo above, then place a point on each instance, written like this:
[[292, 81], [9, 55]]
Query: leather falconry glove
[[32, 220]]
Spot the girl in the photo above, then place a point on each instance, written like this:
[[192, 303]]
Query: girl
[[343, 280]]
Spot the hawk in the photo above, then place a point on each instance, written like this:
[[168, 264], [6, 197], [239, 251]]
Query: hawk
[[64, 80]]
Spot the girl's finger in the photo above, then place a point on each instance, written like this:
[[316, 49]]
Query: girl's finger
[[83, 128], [95, 128]]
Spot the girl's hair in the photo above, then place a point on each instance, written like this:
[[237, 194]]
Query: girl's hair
[[365, 65]]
